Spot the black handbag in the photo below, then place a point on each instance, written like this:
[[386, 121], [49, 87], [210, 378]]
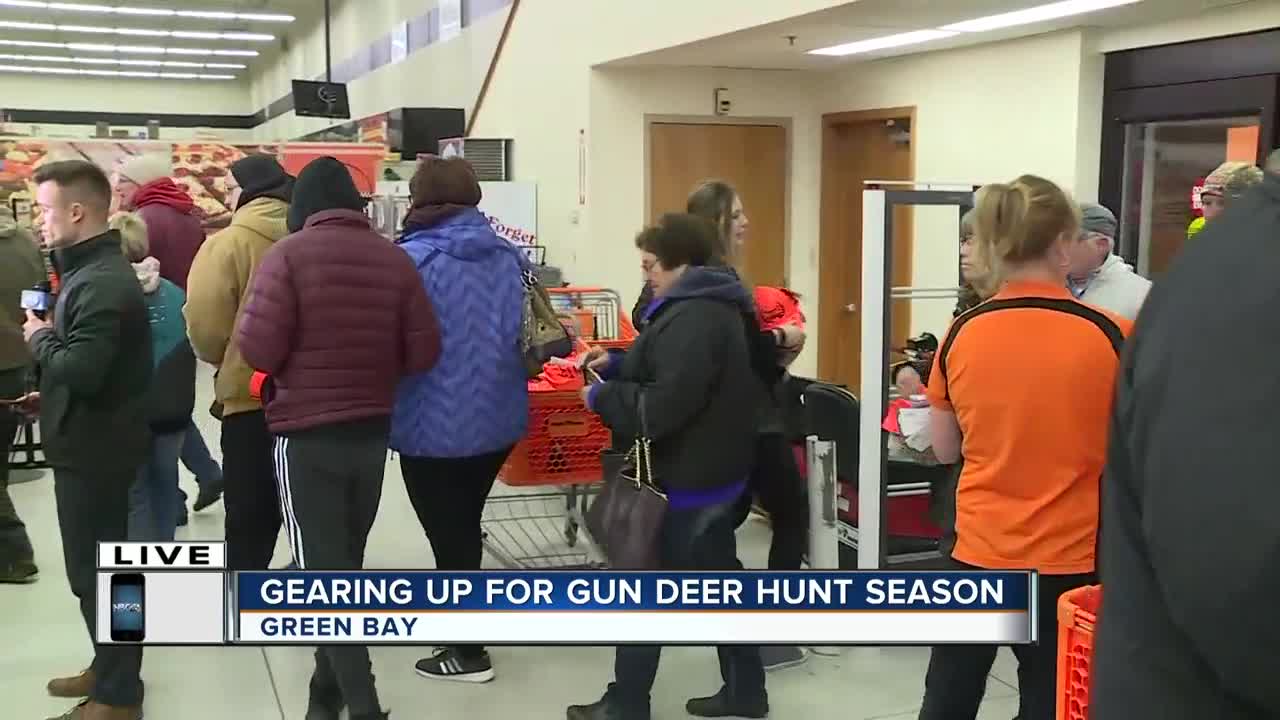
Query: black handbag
[[626, 518]]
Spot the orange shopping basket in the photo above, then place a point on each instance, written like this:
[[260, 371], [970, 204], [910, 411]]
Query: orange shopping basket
[[1077, 617]]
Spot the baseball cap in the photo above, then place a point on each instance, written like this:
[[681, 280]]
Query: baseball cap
[[1096, 218]]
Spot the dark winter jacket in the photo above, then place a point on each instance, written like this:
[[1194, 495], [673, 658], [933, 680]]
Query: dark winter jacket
[[691, 372], [336, 316], [476, 399], [1189, 532], [762, 348], [172, 396], [21, 268], [95, 363]]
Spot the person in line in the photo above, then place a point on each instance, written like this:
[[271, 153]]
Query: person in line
[[1187, 625], [94, 362], [142, 184], [1097, 275], [336, 316], [1225, 184], [1032, 436], [970, 273], [688, 386], [21, 268], [455, 425], [775, 480], [217, 290], [153, 512]]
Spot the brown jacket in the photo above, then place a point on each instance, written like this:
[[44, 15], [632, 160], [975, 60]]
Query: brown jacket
[[217, 289], [21, 267]]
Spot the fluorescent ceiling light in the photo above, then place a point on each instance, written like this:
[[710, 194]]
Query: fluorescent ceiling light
[[112, 73], [1040, 13], [119, 61], [128, 49], [97, 30], [152, 12], [883, 43]]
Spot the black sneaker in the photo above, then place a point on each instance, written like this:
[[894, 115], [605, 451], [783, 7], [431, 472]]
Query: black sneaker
[[210, 493], [19, 573], [779, 657], [721, 705], [449, 664], [603, 709]]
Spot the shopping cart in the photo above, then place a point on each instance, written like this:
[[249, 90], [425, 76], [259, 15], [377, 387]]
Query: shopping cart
[[533, 519]]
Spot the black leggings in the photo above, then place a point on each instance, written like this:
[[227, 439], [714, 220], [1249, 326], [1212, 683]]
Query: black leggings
[[776, 482], [956, 680], [448, 494]]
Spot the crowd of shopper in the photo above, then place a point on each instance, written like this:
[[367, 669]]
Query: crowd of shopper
[[333, 346]]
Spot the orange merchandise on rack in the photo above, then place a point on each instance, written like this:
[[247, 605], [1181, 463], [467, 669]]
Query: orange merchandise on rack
[[1077, 617]]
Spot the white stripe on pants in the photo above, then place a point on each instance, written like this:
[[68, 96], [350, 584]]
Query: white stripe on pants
[[293, 530]]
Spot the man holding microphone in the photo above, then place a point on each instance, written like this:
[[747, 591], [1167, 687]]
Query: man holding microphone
[[94, 363]]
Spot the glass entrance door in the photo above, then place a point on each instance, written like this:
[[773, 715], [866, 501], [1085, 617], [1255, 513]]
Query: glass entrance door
[[1164, 164]]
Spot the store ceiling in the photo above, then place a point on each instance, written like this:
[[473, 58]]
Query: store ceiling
[[786, 44], [207, 39]]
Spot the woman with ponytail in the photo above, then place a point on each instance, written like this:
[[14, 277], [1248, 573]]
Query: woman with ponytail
[[1032, 434]]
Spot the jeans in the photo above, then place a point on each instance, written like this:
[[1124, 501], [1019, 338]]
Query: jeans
[[153, 499], [15, 544], [697, 539], [196, 457]]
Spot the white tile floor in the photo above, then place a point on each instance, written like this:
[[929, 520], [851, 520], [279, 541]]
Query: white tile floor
[[42, 636]]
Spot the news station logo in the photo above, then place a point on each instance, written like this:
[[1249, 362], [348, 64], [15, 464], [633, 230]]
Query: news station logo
[[126, 607]]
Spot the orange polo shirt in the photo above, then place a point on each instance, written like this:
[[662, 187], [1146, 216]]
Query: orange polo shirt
[[1030, 376]]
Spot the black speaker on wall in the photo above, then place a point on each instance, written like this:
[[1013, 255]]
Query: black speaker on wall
[[411, 131]]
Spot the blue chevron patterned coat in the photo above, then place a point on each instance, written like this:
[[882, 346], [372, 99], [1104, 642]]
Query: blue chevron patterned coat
[[476, 399]]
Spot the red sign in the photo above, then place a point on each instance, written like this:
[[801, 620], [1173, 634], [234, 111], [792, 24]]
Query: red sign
[[1197, 204]]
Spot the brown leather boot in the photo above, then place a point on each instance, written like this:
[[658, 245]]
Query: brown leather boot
[[90, 710], [76, 686]]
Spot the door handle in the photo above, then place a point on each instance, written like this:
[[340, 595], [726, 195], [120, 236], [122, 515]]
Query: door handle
[[851, 308]]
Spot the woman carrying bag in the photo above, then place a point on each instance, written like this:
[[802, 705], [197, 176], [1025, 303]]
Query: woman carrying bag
[[686, 389]]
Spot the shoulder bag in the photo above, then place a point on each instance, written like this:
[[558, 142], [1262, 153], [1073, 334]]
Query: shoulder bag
[[626, 518], [543, 336]]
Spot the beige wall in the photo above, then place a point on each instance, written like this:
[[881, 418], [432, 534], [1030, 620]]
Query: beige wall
[[41, 92]]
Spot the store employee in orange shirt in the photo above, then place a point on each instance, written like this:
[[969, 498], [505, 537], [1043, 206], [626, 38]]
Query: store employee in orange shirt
[[1032, 431]]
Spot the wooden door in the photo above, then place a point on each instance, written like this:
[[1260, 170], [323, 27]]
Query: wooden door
[[856, 148], [752, 158]]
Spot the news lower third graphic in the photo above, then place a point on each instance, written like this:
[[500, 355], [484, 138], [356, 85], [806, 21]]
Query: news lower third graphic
[[180, 593]]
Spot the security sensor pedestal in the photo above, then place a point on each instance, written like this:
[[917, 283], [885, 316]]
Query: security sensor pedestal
[[879, 199]]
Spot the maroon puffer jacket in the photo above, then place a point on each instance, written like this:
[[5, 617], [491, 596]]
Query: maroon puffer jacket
[[336, 316]]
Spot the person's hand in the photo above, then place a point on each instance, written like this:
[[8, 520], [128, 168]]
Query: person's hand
[[33, 325], [597, 359], [791, 338], [28, 404]]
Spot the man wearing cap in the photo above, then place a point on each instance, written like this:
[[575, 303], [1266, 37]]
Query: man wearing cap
[[217, 290], [1097, 275], [1225, 184], [142, 184]]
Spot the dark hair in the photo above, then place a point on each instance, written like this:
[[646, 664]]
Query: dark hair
[[81, 176], [679, 239], [712, 200]]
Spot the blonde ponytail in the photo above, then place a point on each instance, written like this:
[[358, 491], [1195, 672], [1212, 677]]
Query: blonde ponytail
[[1019, 222]]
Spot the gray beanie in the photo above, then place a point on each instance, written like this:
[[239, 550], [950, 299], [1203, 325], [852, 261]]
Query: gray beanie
[[1096, 218]]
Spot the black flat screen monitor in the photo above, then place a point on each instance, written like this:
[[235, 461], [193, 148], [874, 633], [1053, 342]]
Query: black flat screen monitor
[[320, 99]]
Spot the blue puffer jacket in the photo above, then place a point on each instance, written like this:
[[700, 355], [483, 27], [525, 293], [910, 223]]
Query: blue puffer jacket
[[476, 399]]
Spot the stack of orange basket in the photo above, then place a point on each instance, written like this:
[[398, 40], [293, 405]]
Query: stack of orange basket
[[1077, 618], [565, 439]]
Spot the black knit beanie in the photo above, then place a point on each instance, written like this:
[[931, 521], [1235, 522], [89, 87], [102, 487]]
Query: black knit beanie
[[324, 184], [261, 176]]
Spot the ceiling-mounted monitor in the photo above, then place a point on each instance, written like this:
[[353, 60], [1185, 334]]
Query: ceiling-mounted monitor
[[320, 99]]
